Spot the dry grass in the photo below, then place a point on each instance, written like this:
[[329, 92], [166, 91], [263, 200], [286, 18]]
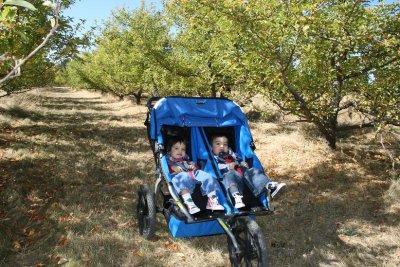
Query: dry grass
[[71, 162]]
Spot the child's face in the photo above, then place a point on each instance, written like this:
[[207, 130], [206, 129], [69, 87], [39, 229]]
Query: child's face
[[220, 144], [178, 150]]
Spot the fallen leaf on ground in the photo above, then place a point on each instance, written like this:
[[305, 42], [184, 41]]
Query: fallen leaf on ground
[[62, 241], [61, 260], [166, 244], [17, 245], [96, 229], [137, 253], [173, 246]]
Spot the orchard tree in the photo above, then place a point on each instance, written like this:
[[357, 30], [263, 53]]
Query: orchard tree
[[124, 60], [142, 51], [82, 73], [313, 59], [308, 56], [203, 46], [35, 37]]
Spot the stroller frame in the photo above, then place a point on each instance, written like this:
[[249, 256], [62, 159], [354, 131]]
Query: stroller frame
[[172, 116]]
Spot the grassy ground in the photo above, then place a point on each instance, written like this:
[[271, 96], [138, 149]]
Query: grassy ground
[[71, 162]]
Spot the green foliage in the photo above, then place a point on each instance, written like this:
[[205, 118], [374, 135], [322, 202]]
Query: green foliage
[[23, 28], [313, 59], [121, 61], [307, 57], [20, 3], [8, 13], [39, 66]]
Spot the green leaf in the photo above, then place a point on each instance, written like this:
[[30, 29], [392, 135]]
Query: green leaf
[[8, 13], [5, 13], [23, 36], [21, 3]]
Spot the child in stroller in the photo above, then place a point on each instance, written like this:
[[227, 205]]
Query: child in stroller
[[234, 171], [185, 175], [196, 119]]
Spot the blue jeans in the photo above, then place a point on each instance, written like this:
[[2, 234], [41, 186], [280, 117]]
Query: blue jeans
[[255, 180], [188, 180]]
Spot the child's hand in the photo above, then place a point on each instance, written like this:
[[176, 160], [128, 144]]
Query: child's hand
[[232, 165], [244, 164], [177, 169], [191, 167]]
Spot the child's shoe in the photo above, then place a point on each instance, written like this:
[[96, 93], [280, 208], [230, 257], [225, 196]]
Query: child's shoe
[[192, 207], [213, 204], [275, 188], [238, 201]]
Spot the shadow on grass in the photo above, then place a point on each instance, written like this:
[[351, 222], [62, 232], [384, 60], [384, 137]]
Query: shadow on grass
[[75, 106], [72, 194], [76, 190], [27, 193], [74, 198], [316, 213], [68, 99], [95, 137], [70, 118], [20, 113]]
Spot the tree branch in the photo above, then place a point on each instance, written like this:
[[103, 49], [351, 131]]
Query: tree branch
[[14, 72], [369, 68]]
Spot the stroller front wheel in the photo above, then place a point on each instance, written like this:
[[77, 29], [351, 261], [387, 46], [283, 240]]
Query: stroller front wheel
[[251, 242], [146, 212]]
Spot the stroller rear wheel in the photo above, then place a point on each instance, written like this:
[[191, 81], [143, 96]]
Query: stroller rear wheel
[[146, 212], [251, 241]]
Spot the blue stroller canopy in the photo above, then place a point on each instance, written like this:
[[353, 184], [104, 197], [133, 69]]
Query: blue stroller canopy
[[200, 113], [193, 111]]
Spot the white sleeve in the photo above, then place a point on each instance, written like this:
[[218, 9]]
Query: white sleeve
[[222, 166]]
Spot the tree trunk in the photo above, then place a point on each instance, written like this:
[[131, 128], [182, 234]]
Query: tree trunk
[[328, 128], [138, 96], [330, 136], [138, 99], [213, 90]]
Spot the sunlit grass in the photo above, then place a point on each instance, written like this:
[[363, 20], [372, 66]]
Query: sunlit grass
[[72, 161]]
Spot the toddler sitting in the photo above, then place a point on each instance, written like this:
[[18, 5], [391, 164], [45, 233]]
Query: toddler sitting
[[185, 176], [234, 170]]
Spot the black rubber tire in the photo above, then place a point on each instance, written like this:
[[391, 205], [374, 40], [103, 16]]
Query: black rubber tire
[[159, 196], [252, 244], [146, 212]]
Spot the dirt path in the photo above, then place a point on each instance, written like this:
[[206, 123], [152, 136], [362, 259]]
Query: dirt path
[[71, 161]]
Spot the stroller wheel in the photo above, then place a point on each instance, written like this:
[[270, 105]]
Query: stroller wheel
[[146, 212], [251, 242]]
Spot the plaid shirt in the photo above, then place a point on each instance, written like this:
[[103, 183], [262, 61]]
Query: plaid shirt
[[184, 163], [225, 159]]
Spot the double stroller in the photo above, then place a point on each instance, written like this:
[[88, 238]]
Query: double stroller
[[196, 120]]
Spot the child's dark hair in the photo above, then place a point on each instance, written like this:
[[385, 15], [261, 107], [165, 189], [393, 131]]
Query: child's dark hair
[[173, 140], [216, 135]]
